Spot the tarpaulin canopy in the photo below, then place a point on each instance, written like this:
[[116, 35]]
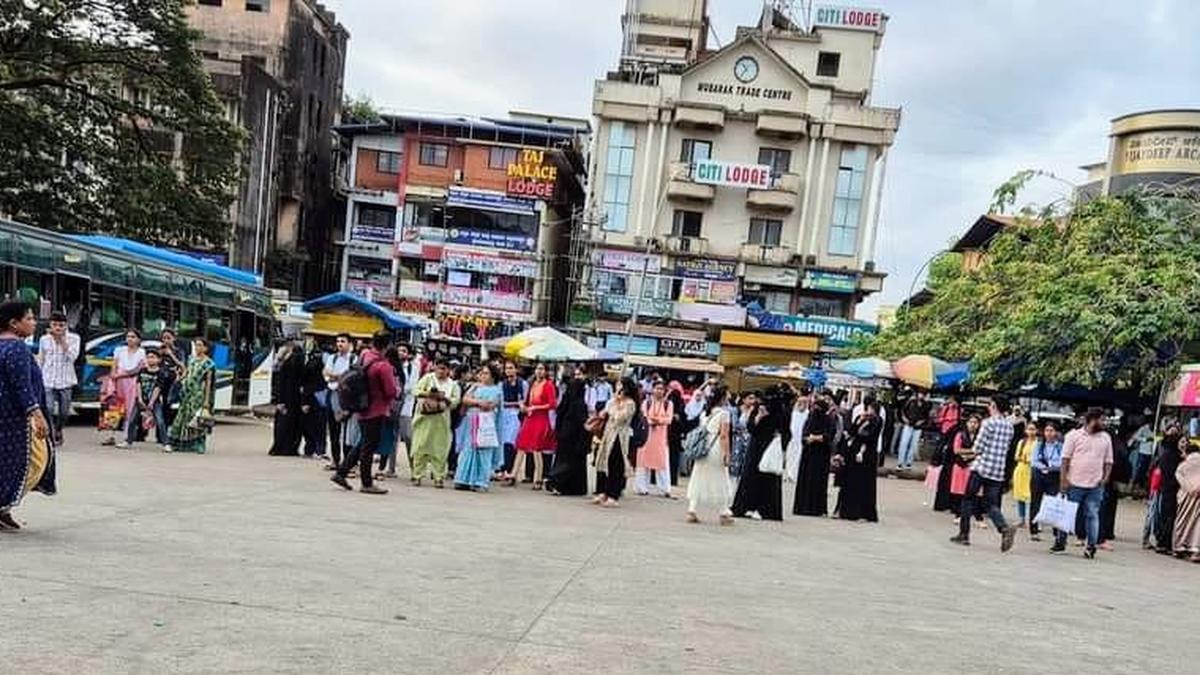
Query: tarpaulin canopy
[[675, 363], [347, 313]]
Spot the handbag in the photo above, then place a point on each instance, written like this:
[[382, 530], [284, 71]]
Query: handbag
[[594, 425], [202, 421], [772, 458], [1058, 512], [148, 421], [485, 430]]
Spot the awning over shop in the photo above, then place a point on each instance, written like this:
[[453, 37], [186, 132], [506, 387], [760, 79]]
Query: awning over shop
[[675, 363], [347, 313]]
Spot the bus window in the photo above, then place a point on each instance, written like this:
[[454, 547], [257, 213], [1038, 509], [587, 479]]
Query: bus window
[[31, 286], [218, 324], [152, 313], [189, 320], [110, 309]]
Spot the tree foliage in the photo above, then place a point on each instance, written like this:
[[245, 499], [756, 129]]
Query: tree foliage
[[96, 97], [360, 109], [1104, 294]]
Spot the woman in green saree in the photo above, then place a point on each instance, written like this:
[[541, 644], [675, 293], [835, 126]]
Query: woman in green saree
[[193, 421]]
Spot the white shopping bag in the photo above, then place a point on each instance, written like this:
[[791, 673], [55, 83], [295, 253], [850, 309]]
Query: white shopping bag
[[772, 458], [1058, 512]]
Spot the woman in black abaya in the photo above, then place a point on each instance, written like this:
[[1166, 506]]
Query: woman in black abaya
[[569, 475], [812, 483], [856, 499], [760, 495]]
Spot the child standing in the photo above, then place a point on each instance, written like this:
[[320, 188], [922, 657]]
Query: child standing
[[1023, 474], [148, 408]]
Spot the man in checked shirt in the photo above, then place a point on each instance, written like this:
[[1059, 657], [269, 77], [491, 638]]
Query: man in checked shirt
[[57, 351], [987, 474]]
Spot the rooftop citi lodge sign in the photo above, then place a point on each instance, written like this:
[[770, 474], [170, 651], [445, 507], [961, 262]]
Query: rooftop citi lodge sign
[[732, 174]]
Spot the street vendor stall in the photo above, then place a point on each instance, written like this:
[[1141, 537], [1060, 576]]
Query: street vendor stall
[[339, 313]]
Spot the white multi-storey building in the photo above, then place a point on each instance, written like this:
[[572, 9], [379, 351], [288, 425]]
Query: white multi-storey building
[[745, 176]]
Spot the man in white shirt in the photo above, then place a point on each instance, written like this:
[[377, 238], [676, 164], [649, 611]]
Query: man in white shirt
[[336, 364], [57, 351], [414, 364], [598, 393]]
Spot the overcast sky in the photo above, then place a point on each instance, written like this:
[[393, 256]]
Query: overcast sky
[[988, 87]]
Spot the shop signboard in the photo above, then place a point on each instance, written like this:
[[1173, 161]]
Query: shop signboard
[[488, 201], [834, 332], [717, 292], [623, 304], [702, 268], [414, 306], [638, 344], [360, 232], [532, 176], [370, 289], [489, 263], [721, 315], [507, 241], [1159, 151], [682, 347], [478, 297], [370, 249], [787, 277], [628, 261], [830, 282], [732, 174], [419, 290], [853, 18]]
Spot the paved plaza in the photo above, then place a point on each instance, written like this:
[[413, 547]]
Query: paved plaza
[[239, 562]]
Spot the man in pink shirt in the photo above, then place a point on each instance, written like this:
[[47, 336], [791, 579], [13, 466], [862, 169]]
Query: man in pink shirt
[[1087, 461]]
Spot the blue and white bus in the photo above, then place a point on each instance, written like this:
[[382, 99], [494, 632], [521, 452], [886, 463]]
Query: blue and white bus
[[107, 285]]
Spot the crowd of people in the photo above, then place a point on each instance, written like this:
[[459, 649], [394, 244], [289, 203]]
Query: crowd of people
[[473, 428], [358, 406]]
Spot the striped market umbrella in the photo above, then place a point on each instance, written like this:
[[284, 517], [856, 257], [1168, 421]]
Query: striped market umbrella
[[547, 344], [865, 368], [927, 372]]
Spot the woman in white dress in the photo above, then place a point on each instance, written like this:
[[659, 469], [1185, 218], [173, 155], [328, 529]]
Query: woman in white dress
[[708, 486], [799, 418]]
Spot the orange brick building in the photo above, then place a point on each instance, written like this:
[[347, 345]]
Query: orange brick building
[[464, 220]]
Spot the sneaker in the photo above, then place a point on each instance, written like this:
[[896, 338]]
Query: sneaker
[[959, 539], [1090, 552], [1058, 548], [373, 490], [754, 515], [339, 480], [1006, 538], [164, 447], [122, 445]]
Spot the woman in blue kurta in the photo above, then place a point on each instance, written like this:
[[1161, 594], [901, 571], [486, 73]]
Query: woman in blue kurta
[[478, 445], [514, 390], [24, 449]]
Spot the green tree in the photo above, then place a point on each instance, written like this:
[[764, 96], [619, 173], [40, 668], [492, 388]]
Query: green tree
[[360, 109], [1102, 294], [97, 99]]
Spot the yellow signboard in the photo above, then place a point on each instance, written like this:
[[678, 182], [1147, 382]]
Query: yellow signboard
[[1160, 151]]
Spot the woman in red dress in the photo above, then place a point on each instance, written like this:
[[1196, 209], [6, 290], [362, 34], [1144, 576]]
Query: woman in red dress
[[537, 433]]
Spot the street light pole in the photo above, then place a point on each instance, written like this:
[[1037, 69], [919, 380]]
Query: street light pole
[[913, 286], [637, 305]]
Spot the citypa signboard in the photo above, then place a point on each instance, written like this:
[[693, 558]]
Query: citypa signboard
[[531, 176], [853, 18], [732, 174]]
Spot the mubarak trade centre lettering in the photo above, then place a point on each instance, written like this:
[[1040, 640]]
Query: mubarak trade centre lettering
[[743, 90]]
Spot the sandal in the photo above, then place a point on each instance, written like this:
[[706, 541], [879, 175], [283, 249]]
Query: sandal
[[727, 520], [692, 517], [537, 485], [598, 499]]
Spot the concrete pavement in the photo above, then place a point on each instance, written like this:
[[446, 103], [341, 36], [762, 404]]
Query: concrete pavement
[[239, 562]]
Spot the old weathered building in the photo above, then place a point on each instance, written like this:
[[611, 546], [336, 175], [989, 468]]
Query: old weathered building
[[278, 66]]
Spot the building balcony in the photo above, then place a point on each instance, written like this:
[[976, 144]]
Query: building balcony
[[698, 117], [681, 185], [781, 125], [863, 124], [765, 255], [783, 194], [627, 101], [686, 245]]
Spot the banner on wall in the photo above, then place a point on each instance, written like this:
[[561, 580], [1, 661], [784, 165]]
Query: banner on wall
[[499, 240], [489, 201], [701, 268], [638, 344]]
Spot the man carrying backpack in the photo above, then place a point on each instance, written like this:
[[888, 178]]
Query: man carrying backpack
[[367, 390]]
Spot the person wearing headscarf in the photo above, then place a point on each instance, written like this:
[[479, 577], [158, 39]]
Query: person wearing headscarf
[[857, 498], [613, 454], [1187, 514], [677, 428], [1170, 455], [812, 480], [760, 495], [569, 477], [287, 395]]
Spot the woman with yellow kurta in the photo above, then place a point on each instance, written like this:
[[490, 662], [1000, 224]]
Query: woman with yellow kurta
[[654, 454], [436, 394], [1023, 474]]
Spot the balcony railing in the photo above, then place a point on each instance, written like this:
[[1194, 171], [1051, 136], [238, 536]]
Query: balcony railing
[[783, 195], [689, 245], [681, 185]]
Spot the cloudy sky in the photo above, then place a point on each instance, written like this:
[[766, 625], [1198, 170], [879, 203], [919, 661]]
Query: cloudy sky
[[988, 87]]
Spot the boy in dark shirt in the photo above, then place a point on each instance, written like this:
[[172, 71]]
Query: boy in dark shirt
[[153, 382]]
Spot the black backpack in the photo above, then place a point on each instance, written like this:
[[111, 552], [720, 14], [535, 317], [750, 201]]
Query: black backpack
[[353, 392], [640, 429]]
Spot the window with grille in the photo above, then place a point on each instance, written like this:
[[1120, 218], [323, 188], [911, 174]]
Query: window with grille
[[500, 158], [435, 154], [778, 159], [694, 150], [765, 231], [828, 64], [388, 162], [686, 223]]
